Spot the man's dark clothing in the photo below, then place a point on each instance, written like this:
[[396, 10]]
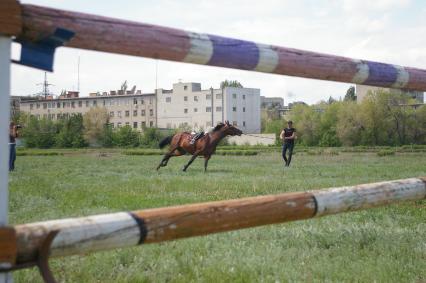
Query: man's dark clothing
[[288, 145], [288, 132], [12, 156]]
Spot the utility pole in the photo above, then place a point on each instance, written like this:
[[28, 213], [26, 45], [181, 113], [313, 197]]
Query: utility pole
[[78, 74], [211, 93]]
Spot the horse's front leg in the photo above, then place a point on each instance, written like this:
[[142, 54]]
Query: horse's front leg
[[206, 161], [190, 161]]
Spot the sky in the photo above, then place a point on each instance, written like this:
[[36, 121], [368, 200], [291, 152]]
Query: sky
[[389, 31]]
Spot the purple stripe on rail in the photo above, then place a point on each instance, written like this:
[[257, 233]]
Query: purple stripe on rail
[[381, 74], [233, 53]]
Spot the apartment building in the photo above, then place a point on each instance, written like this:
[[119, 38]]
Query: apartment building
[[186, 104], [189, 105], [131, 108]]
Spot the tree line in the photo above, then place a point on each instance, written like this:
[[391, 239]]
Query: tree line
[[90, 129], [382, 118]]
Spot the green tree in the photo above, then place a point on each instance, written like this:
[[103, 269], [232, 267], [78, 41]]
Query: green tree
[[94, 122], [307, 122], [70, 132], [349, 124], [226, 83], [126, 137], [350, 94]]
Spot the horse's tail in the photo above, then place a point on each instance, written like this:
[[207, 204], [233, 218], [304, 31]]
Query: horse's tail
[[165, 141]]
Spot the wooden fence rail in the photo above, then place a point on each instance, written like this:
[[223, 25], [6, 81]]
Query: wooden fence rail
[[115, 230], [34, 24]]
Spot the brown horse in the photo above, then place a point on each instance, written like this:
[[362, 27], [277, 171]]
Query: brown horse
[[205, 146]]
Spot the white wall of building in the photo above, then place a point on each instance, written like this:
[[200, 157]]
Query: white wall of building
[[187, 104]]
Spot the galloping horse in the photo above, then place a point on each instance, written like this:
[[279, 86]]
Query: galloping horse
[[205, 146]]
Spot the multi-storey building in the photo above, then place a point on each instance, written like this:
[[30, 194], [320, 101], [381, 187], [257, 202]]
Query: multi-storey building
[[184, 105], [133, 109], [188, 105]]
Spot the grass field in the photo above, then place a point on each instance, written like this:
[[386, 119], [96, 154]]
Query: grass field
[[386, 244]]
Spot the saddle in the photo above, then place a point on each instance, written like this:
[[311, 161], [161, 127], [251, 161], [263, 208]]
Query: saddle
[[195, 137]]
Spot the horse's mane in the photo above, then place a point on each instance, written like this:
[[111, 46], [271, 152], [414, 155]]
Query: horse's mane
[[218, 127]]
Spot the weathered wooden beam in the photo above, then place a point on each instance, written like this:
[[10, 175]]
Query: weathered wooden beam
[[10, 18], [145, 40], [108, 231]]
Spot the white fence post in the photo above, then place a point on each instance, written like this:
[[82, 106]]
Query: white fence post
[[5, 52]]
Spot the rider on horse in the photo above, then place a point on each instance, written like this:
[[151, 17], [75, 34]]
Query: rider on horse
[[199, 135]]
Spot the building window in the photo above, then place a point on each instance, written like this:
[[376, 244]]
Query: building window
[[111, 114], [234, 96], [31, 106], [135, 113], [244, 109], [142, 112], [38, 105], [208, 109], [142, 102], [103, 102], [151, 112], [143, 124], [195, 109], [195, 98], [218, 109], [168, 99], [119, 114], [95, 103], [135, 125], [58, 105], [87, 103], [112, 125], [119, 125], [58, 116], [208, 96], [127, 113], [150, 100], [185, 87], [185, 110], [44, 105], [73, 104], [48, 105], [234, 109], [234, 123], [185, 98], [80, 103], [135, 101], [244, 96], [244, 123], [151, 124], [127, 124], [218, 96]]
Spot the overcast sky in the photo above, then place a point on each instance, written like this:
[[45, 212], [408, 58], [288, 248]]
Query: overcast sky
[[390, 31]]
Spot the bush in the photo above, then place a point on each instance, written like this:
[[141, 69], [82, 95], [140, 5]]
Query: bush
[[385, 152], [126, 137]]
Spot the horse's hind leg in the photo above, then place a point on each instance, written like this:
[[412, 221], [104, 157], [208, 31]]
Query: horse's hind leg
[[166, 158]]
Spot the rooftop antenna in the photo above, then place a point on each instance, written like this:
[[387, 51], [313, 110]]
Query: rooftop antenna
[[78, 74], [156, 73]]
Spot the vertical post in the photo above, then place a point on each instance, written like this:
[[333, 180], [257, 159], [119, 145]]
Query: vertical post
[[5, 46], [211, 93]]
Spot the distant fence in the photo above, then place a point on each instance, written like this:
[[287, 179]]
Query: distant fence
[[253, 139]]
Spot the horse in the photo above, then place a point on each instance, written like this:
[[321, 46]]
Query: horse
[[205, 146]]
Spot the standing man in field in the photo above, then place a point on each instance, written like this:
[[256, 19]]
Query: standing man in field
[[288, 135], [13, 134]]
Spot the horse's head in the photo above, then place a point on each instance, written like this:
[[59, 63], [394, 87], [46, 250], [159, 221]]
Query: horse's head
[[231, 130]]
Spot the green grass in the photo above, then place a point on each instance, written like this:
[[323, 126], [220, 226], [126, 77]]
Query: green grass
[[386, 244]]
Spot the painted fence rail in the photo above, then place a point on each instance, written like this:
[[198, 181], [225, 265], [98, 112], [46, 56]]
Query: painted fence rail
[[131, 38], [115, 230]]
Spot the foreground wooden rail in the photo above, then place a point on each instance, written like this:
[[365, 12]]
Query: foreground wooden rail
[[115, 230], [33, 24]]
